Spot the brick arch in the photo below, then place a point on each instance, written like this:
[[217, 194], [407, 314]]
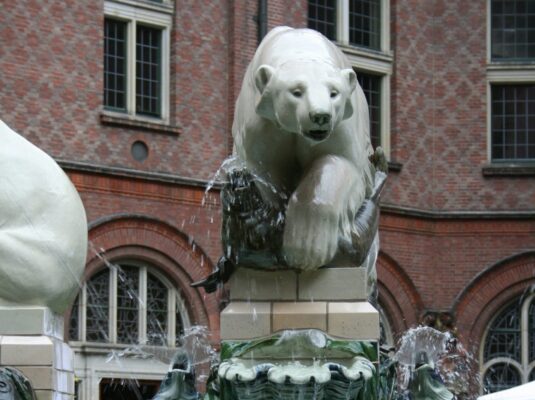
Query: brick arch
[[122, 237], [398, 295], [489, 291]]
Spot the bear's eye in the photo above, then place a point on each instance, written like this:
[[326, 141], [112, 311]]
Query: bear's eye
[[334, 93], [297, 92]]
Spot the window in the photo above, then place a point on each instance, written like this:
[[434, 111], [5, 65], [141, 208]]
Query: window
[[513, 122], [371, 86], [508, 351], [511, 77], [136, 59], [513, 29], [129, 304], [361, 29]]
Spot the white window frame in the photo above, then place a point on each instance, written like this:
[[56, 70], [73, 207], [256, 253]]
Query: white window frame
[[370, 61], [155, 15], [499, 73], [175, 303], [524, 367]]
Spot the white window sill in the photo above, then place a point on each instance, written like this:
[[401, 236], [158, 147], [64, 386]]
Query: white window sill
[[137, 122]]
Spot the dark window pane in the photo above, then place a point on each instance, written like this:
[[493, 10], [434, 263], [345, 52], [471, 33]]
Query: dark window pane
[[128, 305], [322, 17], [513, 29], [128, 389], [97, 310], [371, 86], [115, 65], [365, 23], [503, 338], [156, 311], [148, 71], [74, 323], [500, 377], [513, 120]]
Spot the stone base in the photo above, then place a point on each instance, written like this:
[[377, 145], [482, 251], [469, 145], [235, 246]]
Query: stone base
[[248, 320], [31, 340], [332, 300]]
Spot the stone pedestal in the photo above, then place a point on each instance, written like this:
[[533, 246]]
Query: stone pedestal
[[31, 340], [331, 299]]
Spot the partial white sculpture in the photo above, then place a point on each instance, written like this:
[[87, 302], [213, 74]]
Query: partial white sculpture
[[302, 123], [43, 227]]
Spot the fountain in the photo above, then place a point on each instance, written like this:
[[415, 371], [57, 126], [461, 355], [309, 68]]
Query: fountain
[[300, 242]]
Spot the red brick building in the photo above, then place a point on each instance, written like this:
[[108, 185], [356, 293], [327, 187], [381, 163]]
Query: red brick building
[[135, 98]]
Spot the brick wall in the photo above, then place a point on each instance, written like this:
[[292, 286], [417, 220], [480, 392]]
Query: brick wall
[[439, 111], [52, 82]]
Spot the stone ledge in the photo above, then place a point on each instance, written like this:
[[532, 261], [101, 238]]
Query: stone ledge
[[509, 169], [325, 284], [27, 320], [350, 320], [126, 121]]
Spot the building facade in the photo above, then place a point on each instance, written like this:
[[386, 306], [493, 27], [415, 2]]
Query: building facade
[[134, 99]]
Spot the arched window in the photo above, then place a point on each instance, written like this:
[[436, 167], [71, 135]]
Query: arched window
[[508, 351], [128, 304]]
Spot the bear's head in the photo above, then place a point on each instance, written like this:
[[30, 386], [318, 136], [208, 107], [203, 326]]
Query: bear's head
[[308, 97]]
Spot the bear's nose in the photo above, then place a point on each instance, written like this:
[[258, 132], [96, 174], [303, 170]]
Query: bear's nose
[[319, 118]]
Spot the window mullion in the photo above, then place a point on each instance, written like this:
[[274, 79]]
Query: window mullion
[[524, 339], [342, 21], [143, 305], [113, 306], [83, 314], [171, 317], [131, 69]]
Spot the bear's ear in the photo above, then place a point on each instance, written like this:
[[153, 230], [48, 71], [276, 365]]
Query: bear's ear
[[264, 107], [262, 77], [351, 80]]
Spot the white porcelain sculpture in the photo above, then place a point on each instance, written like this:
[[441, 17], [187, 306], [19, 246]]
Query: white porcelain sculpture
[[302, 124], [43, 227]]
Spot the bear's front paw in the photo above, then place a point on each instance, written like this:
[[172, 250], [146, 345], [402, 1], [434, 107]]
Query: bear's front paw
[[310, 236]]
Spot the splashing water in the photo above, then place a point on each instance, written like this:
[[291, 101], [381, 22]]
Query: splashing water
[[455, 365]]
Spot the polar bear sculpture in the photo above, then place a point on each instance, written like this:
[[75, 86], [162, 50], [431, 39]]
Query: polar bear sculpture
[[301, 123], [43, 228]]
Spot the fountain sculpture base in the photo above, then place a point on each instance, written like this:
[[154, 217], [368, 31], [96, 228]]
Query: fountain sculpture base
[[31, 340]]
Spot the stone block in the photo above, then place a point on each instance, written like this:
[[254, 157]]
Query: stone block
[[40, 377], [28, 351], [22, 320], [245, 320], [356, 320], [253, 285], [44, 394], [299, 315], [63, 357], [65, 382], [325, 284]]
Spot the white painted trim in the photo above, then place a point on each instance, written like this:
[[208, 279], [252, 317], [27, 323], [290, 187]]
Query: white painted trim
[[385, 115], [142, 320], [141, 12], [342, 22], [82, 313], [385, 26], [369, 64], [112, 319], [506, 74], [166, 6]]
